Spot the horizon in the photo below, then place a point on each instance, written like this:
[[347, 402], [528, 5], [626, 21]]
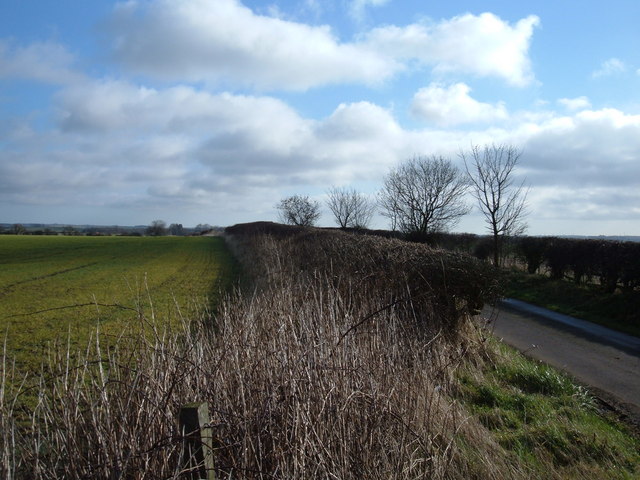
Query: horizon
[[634, 238], [199, 111]]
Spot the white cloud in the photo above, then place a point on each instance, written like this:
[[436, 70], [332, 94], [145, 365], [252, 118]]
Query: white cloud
[[358, 7], [584, 171], [595, 211], [358, 122], [186, 149], [180, 143], [593, 148], [103, 106], [140, 135], [452, 105], [612, 66], [482, 45], [224, 41], [46, 62], [573, 104]]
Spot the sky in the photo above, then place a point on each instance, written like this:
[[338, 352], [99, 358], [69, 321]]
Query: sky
[[211, 111]]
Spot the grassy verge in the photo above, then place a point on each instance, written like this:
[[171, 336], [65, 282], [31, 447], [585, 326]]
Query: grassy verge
[[551, 426], [620, 311]]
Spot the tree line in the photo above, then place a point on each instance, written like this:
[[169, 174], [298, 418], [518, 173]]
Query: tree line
[[426, 195], [154, 229], [611, 264], [159, 228]]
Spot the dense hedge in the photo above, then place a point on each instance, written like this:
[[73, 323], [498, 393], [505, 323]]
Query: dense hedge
[[445, 286], [612, 264]]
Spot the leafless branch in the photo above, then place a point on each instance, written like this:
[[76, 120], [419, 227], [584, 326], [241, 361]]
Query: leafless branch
[[424, 195], [490, 171], [350, 208]]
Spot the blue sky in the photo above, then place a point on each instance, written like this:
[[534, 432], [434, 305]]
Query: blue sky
[[197, 111]]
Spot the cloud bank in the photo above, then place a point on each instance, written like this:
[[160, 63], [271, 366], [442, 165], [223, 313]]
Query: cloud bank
[[224, 42], [117, 143]]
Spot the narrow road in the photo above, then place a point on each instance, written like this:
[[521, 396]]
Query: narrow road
[[606, 360]]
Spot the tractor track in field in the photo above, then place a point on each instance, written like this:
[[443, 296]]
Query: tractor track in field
[[7, 288]]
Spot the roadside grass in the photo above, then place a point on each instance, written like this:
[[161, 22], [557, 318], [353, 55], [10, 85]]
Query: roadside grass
[[63, 288], [553, 426], [619, 311]]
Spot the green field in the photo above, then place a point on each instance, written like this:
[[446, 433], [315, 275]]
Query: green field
[[55, 288]]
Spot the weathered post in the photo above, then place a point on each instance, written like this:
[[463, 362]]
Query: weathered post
[[198, 442]]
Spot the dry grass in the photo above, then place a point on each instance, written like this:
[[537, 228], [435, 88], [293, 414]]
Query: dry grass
[[339, 363]]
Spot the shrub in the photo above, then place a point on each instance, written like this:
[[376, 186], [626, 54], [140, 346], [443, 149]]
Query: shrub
[[557, 257], [484, 248], [532, 250], [630, 272]]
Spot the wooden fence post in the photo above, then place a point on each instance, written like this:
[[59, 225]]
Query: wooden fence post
[[198, 442]]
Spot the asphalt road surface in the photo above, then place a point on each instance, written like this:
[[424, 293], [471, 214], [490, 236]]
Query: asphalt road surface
[[603, 359]]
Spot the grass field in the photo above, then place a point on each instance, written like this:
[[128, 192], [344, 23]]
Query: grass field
[[64, 287]]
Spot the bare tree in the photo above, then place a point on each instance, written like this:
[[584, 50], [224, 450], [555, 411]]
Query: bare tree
[[298, 210], [176, 229], [157, 228], [503, 203], [350, 208], [424, 195], [202, 228], [18, 229]]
